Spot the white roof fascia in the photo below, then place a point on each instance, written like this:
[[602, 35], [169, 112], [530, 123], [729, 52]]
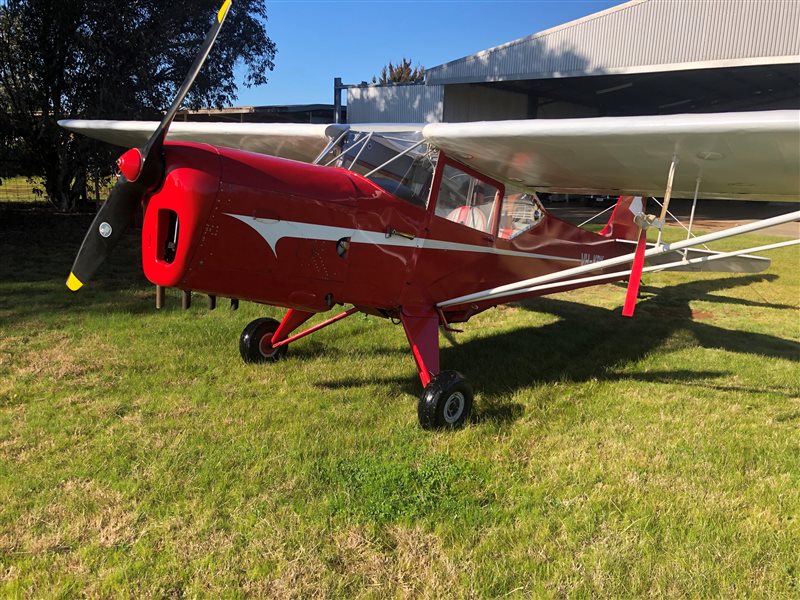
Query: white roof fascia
[[656, 68]]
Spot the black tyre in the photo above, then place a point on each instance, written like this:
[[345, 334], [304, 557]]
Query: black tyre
[[255, 343], [446, 402]]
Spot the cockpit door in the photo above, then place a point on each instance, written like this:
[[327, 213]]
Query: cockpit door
[[460, 231]]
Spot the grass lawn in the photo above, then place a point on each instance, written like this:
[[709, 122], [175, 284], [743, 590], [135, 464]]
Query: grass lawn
[[140, 457]]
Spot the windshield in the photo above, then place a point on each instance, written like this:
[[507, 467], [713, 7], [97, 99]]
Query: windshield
[[401, 163]]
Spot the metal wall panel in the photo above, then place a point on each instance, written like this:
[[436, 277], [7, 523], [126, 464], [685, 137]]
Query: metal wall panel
[[395, 104], [641, 36], [482, 103]]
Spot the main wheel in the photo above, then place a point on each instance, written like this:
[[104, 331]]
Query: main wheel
[[255, 343], [446, 402]]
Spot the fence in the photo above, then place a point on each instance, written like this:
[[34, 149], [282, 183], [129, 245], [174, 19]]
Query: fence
[[18, 187]]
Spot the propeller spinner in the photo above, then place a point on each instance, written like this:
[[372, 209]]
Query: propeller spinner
[[142, 171]]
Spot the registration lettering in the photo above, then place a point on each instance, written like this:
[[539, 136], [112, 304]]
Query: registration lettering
[[588, 259]]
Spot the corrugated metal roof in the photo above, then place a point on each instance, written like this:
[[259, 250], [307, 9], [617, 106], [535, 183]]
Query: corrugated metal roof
[[642, 36]]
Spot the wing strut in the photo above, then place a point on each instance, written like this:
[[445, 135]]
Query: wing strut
[[522, 287], [667, 196], [676, 265]]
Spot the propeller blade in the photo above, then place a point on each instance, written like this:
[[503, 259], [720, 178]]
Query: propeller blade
[[142, 171], [157, 139], [105, 232], [636, 275]]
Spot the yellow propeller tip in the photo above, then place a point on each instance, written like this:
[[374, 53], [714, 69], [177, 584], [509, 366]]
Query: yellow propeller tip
[[223, 11], [74, 283]]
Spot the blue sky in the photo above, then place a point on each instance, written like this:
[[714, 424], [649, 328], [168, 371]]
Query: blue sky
[[318, 40]]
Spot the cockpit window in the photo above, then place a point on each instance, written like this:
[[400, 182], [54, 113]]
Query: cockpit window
[[520, 213], [466, 199], [401, 163]]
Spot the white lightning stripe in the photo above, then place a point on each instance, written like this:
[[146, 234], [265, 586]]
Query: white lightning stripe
[[272, 231]]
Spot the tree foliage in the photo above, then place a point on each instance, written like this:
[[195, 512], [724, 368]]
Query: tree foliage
[[403, 72], [119, 59]]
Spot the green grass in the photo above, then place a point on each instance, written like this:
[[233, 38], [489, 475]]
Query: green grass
[[140, 457]]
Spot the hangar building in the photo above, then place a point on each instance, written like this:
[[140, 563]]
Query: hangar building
[[642, 57]]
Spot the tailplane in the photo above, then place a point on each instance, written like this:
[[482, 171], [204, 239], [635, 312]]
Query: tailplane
[[621, 225]]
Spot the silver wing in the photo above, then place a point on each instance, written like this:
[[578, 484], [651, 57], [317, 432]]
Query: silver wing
[[746, 155]]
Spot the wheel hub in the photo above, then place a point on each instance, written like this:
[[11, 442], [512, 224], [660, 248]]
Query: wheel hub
[[454, 407], [265, 346]]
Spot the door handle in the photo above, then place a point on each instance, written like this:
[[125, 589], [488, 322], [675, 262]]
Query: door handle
[[401, 234]]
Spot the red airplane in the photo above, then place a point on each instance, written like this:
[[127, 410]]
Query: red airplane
[[427, 225]]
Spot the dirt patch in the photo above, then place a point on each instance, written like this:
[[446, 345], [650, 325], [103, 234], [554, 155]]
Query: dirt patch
[[701, 315], [682, 313]]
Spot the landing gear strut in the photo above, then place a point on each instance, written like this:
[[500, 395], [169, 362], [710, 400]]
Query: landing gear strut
[[266, 340], [446, 401]]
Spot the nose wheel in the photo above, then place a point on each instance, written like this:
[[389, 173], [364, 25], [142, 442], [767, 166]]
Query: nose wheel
[[446, 402], [255, 343]]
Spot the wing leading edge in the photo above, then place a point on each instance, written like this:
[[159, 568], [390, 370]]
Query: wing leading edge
[[298, 141]]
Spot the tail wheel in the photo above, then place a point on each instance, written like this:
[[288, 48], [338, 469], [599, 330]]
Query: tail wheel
[[446, 402], [255, 343]]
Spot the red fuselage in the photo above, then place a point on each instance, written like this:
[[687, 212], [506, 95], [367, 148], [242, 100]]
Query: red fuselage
[[302, 236]]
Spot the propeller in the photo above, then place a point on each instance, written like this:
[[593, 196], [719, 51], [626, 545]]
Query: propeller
[[142, 171]]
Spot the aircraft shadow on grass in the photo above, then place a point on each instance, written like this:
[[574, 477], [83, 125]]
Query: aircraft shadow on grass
[[591, 343]]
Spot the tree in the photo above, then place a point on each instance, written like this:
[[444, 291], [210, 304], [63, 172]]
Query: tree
[[400, 73], [111, 59]]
